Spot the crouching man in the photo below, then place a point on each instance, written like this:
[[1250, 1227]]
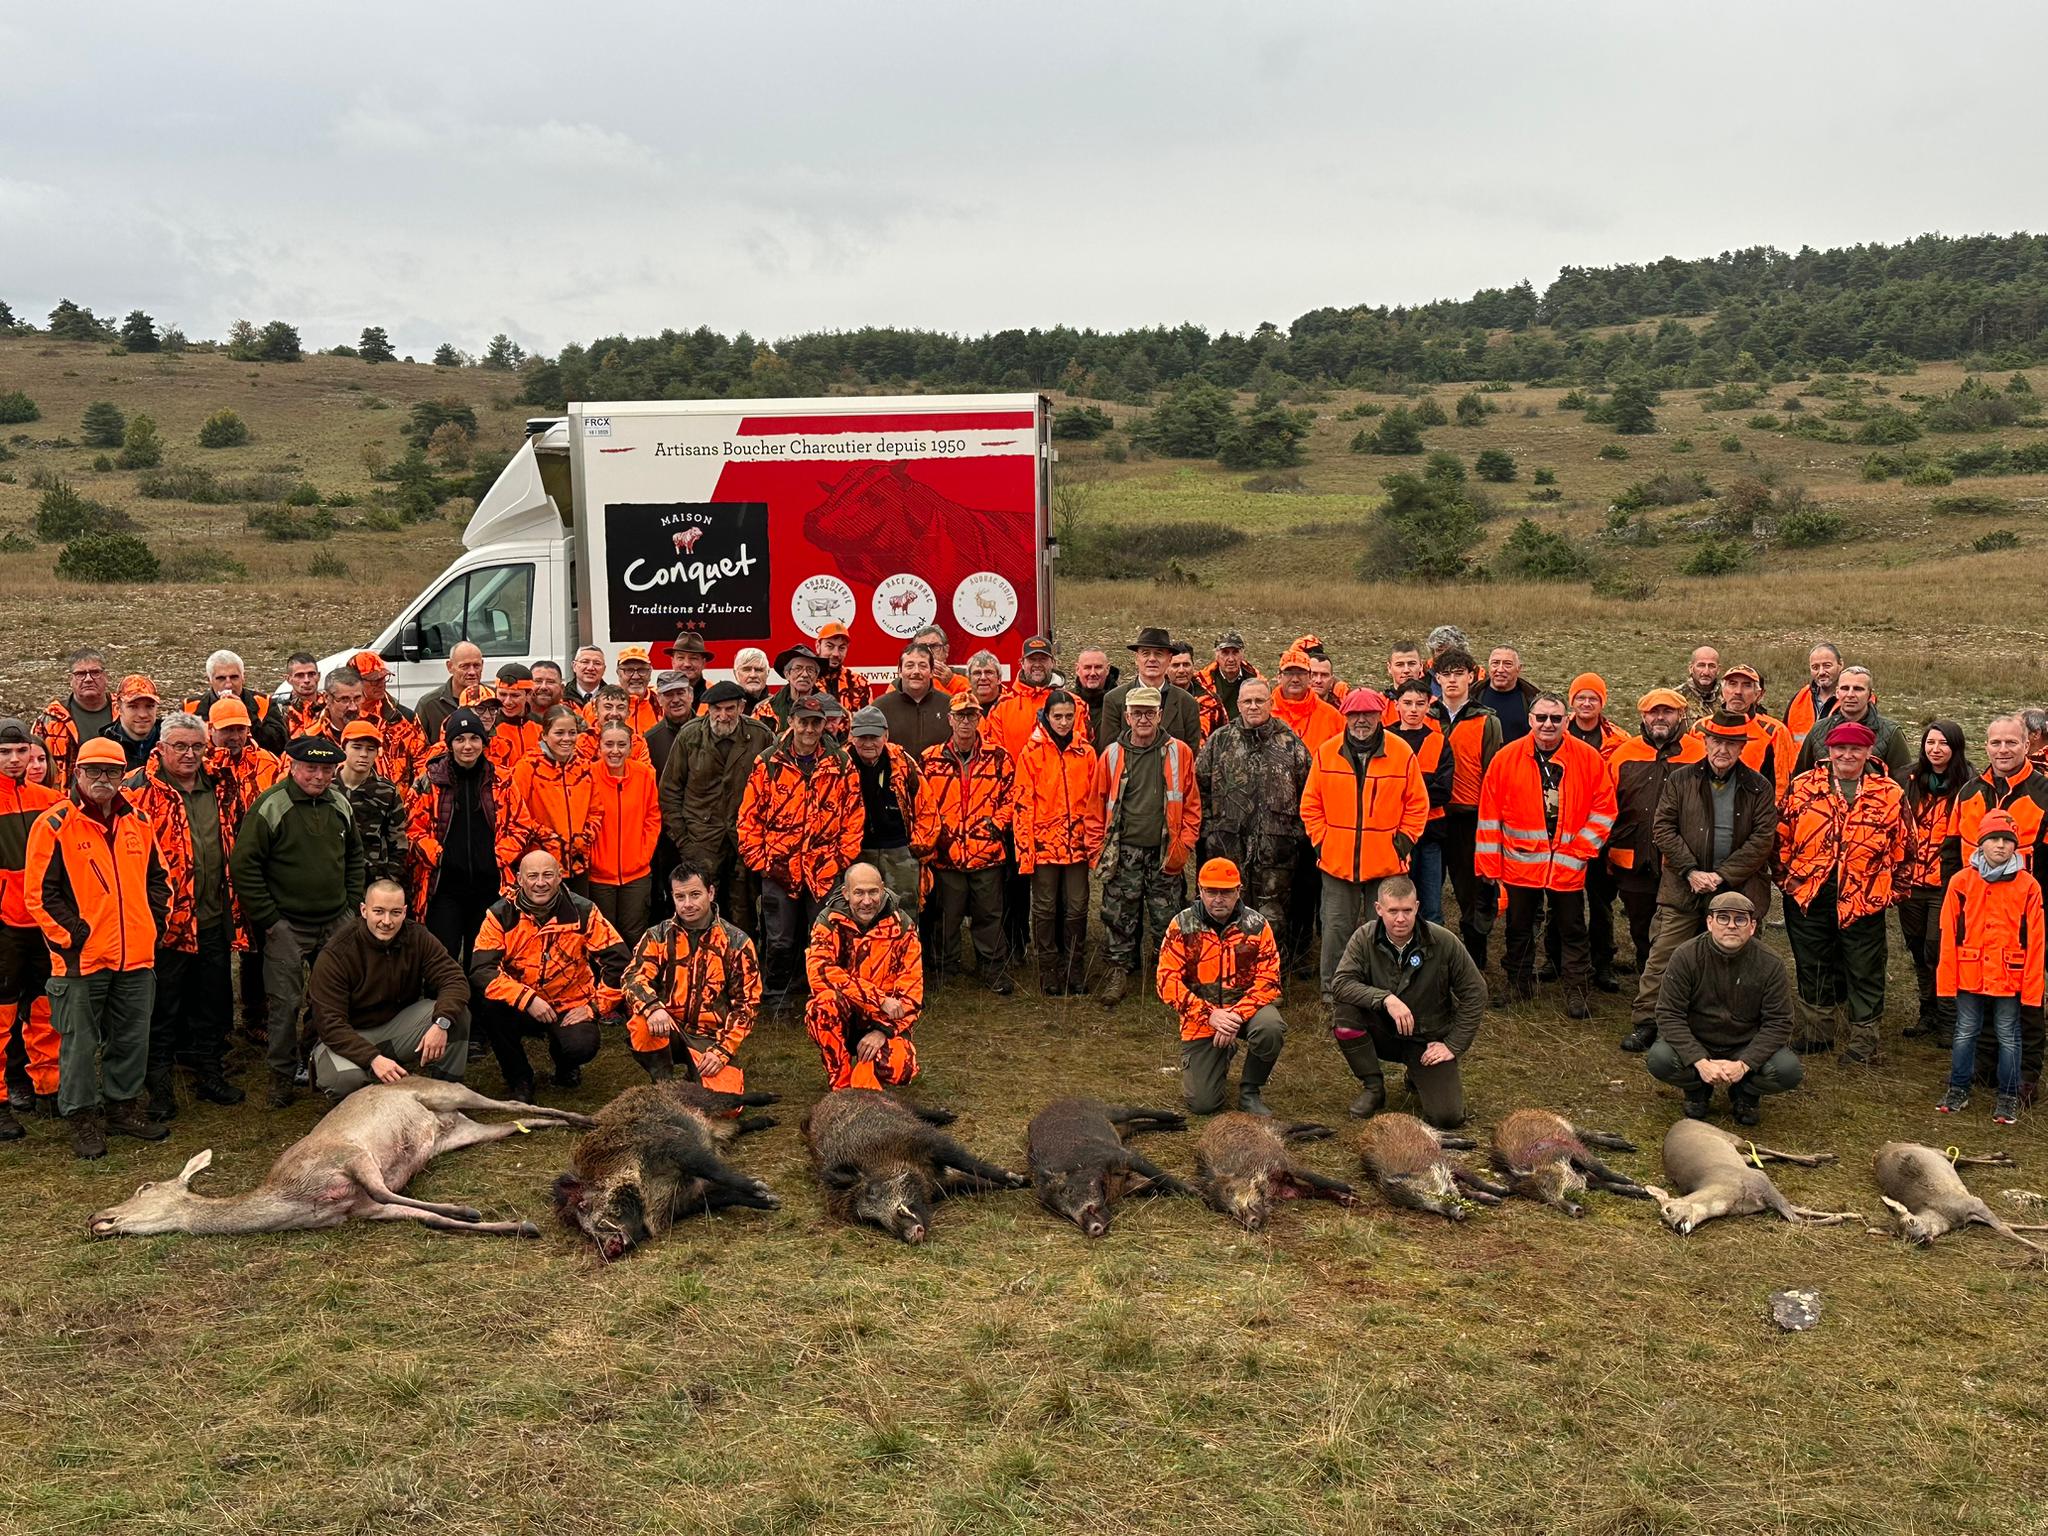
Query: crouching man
[[1724, 1016], [1219, 970], [1407, 990], [546, 963], [694, 989], [866, 969], [386, 1000]]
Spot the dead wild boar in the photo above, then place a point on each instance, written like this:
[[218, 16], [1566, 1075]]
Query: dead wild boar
[[885, 1161], [653, 1158], [1242, 1165], [1080, 1165], [1927, 1197], [1543, 1157], [1406, 1160], [1717, 1174]]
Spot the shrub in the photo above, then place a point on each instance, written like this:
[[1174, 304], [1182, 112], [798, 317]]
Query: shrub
[[1984, 544], [1398, 432], [101, 464], [1081, 423], [1543, 477], [1973, 406], [1188, 422], [12, 542], [204, 565], [1764, 423], [1532, 553], [1368, 409], [1573, 400], [63, 515], [327, 566], [1731, 444], [1423, 531], [1472, 409], [304, 494], [1428, 413], [1977, 505], [141, 448], [108, 558], [1682, 445], [1546, 493], [1494, 465], [1622, 586], [1717, 557], [1629, 407], [1806, 527], [380, 520], [1268, 436], [102, 425], [1288, 484], [1929, 474], [1613, 451], [283, 525], [16, 407], [1732, 397], [1666, 489], [1816, 430], [1111, 552], [223, 429], [1444, 465]]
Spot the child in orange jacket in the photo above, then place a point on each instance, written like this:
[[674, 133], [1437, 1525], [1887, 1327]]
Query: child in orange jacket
[[1991, 960]]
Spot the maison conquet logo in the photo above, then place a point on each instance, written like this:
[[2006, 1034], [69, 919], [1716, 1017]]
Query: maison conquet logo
[[703, 563]]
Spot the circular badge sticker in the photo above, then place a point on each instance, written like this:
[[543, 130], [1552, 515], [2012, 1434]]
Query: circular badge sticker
[[904, 604], [821, 600], [985, 604]]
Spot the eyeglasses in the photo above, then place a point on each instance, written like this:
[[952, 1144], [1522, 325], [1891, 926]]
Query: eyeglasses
[[100, 772], [1546, 719], [184, 746], [85, 672], [1732, 918]]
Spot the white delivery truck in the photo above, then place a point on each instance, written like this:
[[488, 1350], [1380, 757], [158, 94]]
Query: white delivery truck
[[750, 523]]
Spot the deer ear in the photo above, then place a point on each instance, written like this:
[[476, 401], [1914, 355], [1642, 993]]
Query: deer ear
[[1900, 1214], [200, 1162]]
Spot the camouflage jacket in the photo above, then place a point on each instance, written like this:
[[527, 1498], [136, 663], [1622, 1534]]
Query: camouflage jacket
[[381, 814], [1251, 778]]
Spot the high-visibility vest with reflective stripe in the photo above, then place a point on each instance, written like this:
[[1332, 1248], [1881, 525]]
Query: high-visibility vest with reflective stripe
[[1514, 843]]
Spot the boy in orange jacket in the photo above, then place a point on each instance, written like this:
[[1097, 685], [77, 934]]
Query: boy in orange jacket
[[1991, 960]]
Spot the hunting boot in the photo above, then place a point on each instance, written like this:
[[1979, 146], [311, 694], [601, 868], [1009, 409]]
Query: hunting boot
[[1866, 1044], [282, 1091], [1639, 1039], [1698, 1096], [10, 1128], [1364, 1063], [659, 1065], [211, 1084], [46, 1106], [1116, 989], [163, 1098], [1603, 979], [1255, 1074], [1577, 1005], [127, 1117], [88, 1138], [1745, 1103]]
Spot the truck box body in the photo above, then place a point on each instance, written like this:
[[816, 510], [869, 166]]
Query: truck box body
[[750, 523]]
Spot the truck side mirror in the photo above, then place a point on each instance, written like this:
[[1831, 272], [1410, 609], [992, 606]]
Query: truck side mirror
[[412, 640]]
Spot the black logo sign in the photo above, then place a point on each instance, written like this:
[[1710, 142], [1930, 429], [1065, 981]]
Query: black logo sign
[[701, 563]]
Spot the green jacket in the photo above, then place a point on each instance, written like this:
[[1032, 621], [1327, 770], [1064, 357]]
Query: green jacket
[[297, 857], [1433, 975]]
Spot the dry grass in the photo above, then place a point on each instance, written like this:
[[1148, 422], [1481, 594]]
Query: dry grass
[[1348, 1371]]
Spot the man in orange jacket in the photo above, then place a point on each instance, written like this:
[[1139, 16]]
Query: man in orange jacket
[[30, 1042], [1473, 734], [1219, 971], [1152, 814], [966, 801], [1843, 835], [1058, 832], [693, 988], [1545, 812], [1992, 960], [800, 825], [866, 971], [83, 713], [95, 886], [1364, 808], [1587, 697]]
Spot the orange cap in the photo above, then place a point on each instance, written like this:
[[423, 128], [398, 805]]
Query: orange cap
[[473, 697], [101, 750], [1295, 657], [228, 712], [367, 664], [634, 653], [361, 730], [1218, 875], [136, 686], [1661, 698], [833, 631]]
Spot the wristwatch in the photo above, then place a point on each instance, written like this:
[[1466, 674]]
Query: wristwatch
[[440, 1024]]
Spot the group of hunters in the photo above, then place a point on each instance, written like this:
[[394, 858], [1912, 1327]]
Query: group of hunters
[[387, 887]]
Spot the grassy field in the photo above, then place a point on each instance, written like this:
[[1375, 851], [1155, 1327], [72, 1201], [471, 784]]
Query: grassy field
[[1363, 1370]]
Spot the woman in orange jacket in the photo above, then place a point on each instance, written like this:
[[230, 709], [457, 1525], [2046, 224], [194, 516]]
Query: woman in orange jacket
[[1058, 829], [1992, 955], [627, 808], [551, 802]]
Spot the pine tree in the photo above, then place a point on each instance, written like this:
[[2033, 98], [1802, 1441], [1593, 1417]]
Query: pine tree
[[68, 322], [103, 425], [138, 333], [445, 356], [375, 346]]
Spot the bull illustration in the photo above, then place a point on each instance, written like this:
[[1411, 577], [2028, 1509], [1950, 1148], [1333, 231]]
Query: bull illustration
[[901, 604]]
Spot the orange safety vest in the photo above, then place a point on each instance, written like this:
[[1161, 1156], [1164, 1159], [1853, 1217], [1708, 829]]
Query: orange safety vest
[[1183, 798], [1515, 845]]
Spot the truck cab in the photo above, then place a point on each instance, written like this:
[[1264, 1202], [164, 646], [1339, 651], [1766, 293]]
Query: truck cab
[[512, 590]]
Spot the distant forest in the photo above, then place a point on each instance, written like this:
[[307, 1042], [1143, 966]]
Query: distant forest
[[1876, 308]]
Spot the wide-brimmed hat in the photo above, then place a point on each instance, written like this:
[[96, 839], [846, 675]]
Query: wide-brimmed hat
[[798, 652], [1151, 638]]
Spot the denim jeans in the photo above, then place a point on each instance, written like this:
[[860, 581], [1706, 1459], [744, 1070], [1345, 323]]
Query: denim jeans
[[2005, 1020], [1426, 869]]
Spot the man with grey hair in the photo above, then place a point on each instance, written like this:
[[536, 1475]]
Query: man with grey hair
[[227, 678], [586, 675], [1445, 637], [2036, 723], [342, 689], [1856, 700], [188, 1027]]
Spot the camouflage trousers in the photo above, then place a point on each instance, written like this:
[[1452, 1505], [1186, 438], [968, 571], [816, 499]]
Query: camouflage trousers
[[1138, 900]]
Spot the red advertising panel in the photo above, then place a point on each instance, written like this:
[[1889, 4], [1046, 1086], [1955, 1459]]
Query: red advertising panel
[[759, 523]]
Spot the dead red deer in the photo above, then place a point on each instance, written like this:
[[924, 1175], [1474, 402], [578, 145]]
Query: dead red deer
[[353, 1163]]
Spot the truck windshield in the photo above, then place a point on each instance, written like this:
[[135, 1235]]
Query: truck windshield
[[491, 607]]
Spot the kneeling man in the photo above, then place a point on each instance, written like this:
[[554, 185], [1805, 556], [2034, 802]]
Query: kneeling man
[[1724, 1016], [1219, 970], [866, 969], [1406, 990], [386, 1000]]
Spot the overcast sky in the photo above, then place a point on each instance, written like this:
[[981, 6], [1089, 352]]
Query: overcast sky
[[563, 171]]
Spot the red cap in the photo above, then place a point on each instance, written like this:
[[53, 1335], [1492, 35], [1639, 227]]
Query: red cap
[[1365, 701], [1996, 824], [1851, 733]]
